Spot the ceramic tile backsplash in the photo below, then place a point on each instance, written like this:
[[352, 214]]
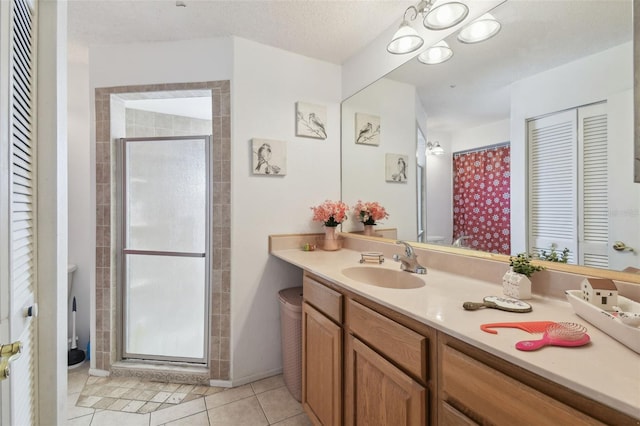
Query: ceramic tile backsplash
[[152, 124]]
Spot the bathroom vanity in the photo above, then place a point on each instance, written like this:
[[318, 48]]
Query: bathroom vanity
[[411, 355]]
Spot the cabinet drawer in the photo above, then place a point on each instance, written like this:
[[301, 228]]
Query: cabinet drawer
[[497, 398], [322, 298], [449, 416], [398, 343]]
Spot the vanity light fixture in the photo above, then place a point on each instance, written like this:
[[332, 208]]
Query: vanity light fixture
[[434, 148], [440, 17], [406, 39], [436, 54], [479, 30], [445, 15]]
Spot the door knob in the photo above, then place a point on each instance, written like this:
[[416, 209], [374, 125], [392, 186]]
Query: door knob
[[620, 246], [8, 353]]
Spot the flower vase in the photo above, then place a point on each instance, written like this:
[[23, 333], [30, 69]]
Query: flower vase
[[516, 285], [369, 231], [331, 241]]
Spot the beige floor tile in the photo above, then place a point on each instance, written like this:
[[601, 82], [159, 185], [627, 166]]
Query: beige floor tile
[[119, 418], [267, 384], [170, 387], [200, 390], [76, 382], [185, 388], [191, 397], [200, 419], [278, 404], [177, 412], [133, 406], [215, 389], [80, 421], [246, 412], [132, 394], [118, 392], [149, 407], [119, 404], [299, 420], [176, 398], [147, 395], [103, 403], [87, 401], [227, 396], [96, 380], [161, 397], [73, 411]]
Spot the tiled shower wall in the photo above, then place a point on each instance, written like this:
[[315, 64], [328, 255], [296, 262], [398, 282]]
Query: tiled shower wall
[[142, 124], [106, 339]]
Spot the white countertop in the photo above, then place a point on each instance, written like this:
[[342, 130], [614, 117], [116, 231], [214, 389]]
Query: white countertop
[[604, 370]]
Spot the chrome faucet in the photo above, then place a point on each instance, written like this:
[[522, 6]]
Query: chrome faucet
[[409, 262], [460, 240]]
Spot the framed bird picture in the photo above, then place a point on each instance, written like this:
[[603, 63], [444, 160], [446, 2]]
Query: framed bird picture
[[269, 157], [311, 120], [367, 129]]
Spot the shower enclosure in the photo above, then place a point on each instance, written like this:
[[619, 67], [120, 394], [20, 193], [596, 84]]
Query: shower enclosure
[[165, 248]]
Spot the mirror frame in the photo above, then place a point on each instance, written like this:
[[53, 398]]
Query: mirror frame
[[556, 266]]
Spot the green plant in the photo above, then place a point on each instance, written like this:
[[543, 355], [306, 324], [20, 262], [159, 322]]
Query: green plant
[[553, 255], [521, 264]]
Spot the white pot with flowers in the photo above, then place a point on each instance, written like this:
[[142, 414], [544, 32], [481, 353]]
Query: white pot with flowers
[[331, 214], [516, 282], [369, 213]]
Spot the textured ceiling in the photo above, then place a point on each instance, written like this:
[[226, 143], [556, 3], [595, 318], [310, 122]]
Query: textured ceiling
[[330, 30], [472, 88]]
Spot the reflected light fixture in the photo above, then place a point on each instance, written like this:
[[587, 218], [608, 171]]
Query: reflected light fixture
[[479, 30], [436, 54], [406, 39], [434, 148]]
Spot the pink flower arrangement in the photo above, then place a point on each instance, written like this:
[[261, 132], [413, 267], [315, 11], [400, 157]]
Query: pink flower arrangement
[[370, 212], [331, 213]]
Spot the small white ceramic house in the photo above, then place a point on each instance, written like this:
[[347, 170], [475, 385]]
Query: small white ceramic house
[[600, 292]]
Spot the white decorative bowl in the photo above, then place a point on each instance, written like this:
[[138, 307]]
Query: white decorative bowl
[[608, 322]]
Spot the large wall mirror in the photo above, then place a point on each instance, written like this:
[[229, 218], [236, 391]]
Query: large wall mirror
[[497, 110]]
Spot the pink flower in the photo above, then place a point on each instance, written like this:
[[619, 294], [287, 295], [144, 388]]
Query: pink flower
[[370, 212], [331, 213]]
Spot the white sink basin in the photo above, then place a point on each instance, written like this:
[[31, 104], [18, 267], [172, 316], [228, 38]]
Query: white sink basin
[[381, 277]]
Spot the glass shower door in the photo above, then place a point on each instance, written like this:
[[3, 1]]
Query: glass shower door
[[165, 254]]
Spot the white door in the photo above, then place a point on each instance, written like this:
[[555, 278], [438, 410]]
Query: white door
[[17, 209], [624, 197]]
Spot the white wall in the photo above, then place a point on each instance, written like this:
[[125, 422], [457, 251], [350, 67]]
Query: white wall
[[440, 189], [363, 166], [81, 223], [591, 79], [267, 82]]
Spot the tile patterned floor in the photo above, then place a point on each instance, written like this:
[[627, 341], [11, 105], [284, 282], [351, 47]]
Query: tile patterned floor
[[130, 401]]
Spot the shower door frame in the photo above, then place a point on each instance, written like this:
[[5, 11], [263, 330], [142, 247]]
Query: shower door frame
[[121, 260]]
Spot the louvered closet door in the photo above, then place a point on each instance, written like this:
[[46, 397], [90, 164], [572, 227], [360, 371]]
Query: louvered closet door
[[17, 164], [593, 186], [553, 195]]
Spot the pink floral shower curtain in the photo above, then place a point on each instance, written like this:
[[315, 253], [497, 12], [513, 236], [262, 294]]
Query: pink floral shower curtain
[[481, 199]]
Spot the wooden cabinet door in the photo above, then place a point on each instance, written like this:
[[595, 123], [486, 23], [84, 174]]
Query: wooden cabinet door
[[321, 368], [377, 392]]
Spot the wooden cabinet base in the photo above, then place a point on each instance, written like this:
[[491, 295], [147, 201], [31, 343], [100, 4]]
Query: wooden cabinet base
[[378, 393], [321, 368]]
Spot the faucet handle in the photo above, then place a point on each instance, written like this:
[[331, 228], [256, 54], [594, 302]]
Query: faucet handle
[[407, 248]]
